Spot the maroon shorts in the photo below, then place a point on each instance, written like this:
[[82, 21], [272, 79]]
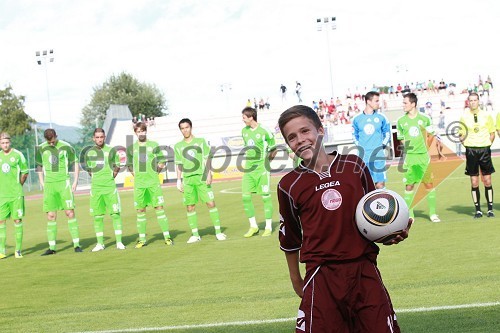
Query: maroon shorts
[[346, 298]]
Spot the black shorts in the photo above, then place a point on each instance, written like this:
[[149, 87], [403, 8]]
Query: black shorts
[[478, 158]]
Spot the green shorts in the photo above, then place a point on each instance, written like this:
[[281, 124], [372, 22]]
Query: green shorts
[[196, 189], [11, 207], [418, 169], [58, 196], [151, 196], [257, 181], [102, 201]]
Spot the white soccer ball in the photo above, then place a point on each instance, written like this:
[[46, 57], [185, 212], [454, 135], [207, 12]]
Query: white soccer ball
[[381, 215]]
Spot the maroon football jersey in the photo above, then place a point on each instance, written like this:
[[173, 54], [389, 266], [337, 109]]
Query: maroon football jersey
[[317, 212]]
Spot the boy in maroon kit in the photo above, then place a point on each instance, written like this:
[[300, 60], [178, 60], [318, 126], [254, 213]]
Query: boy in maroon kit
[[342, 290]]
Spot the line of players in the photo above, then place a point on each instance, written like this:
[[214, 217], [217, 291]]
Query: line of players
[[145, 160], [371, 131]]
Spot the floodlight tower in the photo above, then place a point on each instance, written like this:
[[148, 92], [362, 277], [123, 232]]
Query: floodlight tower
[[42, 57], [326, 24]]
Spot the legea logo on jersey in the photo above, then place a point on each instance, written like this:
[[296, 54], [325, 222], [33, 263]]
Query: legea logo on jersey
[[369, 129], [331, 199], [414, 131], [5, 168]]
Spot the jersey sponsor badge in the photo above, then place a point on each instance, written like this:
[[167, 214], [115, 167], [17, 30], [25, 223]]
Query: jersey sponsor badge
[[331, 199]]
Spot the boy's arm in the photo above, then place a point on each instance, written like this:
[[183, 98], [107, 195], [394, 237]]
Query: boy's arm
[[292, 259]]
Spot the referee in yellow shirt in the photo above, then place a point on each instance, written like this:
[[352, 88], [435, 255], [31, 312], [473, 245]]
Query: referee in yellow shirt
[[477, 132]]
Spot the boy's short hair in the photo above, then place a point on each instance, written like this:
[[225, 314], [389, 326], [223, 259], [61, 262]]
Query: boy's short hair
[[185, 120], [299, 111], [4, 135], [140, 126], [250, 112], [412, 98], [369, 95], [99, 130], [49, 134]]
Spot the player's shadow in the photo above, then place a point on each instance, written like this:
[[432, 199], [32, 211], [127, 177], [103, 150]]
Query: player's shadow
[[159, 236], [210, 231], [466, 210], [37, 247]]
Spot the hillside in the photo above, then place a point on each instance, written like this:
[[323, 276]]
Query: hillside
[[70, 134]]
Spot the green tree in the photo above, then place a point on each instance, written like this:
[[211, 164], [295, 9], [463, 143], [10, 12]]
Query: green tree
[[141, 98], [13, 119]]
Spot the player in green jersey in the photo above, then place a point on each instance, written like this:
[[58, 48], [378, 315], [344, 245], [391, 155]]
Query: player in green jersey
[[145, 160], [12, 177], [194, 178], [54, 159], [259, 151], [103, 164], [416, 132]]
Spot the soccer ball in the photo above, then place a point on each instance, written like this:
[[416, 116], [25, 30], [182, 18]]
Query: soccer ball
[[381, 215]]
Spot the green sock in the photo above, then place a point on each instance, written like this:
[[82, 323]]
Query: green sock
[[99, 228], [19, 235], [3, 236], [163, 222], [52, 234], [248, 205], [409, 195], [431, 201], [141, 226], [73, 230], [214, 216], [192, 218], [117, 225], [268, 206]]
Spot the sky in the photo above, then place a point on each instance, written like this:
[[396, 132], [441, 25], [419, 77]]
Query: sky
[[208, 57]]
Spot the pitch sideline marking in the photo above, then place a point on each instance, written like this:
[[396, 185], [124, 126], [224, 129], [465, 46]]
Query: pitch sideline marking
[[280, 320]]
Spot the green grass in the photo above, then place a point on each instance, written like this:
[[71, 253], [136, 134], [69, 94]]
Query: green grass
[[452, 263]]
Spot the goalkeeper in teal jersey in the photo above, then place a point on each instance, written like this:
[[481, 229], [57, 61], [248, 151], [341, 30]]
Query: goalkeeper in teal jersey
[[145, 160], [103, 164], [416, 132], [259, 151], [54, 159], [12, 177], [193, 167]]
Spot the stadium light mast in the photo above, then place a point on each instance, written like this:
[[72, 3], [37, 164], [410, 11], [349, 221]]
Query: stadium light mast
[[42, 57], [326, 24]]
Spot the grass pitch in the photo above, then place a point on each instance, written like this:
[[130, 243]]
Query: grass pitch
[[444, 278]]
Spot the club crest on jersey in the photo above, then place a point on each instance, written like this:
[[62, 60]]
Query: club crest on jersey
[[369, 129], [53, 159], [414, 131], [376, 120], [5, 168], [12, 159], [331, 199]]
